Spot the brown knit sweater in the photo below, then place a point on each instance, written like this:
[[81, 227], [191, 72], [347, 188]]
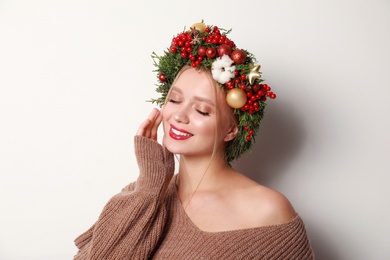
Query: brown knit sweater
[[146, 220]]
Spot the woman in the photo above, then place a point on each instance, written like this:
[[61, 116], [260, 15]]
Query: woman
[[208, 210]]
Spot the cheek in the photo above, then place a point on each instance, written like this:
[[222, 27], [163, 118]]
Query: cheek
[[166, 111], [204, 126]]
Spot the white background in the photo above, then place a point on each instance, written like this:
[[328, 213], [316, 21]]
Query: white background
[[74, 76]]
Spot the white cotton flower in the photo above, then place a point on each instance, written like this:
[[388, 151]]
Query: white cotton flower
[[222, 69]]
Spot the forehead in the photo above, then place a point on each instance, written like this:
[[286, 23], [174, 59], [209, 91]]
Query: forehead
[[195, 82]]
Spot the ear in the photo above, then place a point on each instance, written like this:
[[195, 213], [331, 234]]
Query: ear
[[232, 133]]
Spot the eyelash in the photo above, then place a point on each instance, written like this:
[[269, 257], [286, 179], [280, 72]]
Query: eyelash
[[197, 110], [173, 101], [202, 113]]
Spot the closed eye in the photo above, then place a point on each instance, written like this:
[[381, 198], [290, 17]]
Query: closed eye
[[202, 113], [173, 101]]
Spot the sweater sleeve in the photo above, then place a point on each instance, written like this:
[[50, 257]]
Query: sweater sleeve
[[131, 223]]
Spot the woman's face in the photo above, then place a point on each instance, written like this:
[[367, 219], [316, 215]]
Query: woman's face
[[189, 116]]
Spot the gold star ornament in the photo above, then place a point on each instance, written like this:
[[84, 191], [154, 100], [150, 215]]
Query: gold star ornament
[[254, 74]]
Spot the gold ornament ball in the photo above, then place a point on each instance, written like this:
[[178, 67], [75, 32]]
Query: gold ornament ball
[[236, 98], [201, 27]]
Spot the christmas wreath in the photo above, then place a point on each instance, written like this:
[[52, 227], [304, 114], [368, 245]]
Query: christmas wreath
[[208, 48]]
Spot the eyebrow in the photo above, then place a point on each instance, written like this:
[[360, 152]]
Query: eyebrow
[[201, 99]]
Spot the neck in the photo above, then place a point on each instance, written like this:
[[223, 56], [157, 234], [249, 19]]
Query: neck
[[197, 174]]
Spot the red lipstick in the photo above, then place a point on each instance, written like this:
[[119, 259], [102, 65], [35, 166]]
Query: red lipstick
[[179, 134]]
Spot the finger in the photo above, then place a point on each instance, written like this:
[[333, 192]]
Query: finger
[[152, 118], [144, 128]]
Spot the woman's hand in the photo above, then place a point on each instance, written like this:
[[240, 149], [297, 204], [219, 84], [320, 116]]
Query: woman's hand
[[149, 127]]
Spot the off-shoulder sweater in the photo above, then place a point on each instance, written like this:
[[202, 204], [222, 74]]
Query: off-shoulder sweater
[[146, 220]]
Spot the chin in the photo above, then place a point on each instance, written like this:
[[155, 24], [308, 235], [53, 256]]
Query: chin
[[176, 148], [186, 148]]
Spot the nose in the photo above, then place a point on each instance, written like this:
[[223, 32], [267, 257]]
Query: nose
[[181, 115]]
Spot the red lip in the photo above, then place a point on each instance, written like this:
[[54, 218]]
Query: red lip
[[179, 137]]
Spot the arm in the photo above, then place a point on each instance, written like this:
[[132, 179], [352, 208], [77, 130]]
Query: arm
[[132, 222]]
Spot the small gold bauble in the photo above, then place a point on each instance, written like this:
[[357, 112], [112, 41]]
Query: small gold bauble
[[236, 98], [201, 27]]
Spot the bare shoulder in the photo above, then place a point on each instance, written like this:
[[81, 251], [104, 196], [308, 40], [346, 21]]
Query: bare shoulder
[[276, 208], [261, 205]]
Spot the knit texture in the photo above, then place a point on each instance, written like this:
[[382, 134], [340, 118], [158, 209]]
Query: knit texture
[[147, 221]]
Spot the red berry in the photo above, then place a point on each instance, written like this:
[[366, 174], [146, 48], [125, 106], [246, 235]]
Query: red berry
[[202, 51], [266, 87], [162, 78], [173, 49], [229, 84], [243, 77], [256, 87]]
